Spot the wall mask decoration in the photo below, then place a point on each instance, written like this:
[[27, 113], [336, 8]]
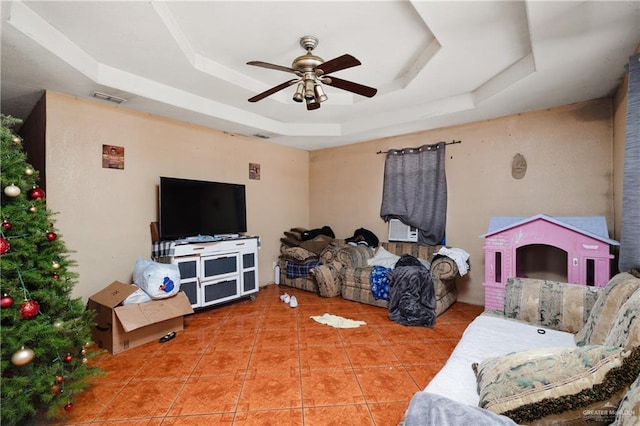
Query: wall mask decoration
[[518, 166]]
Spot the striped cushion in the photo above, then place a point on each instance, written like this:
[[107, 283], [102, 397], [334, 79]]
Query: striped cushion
[[604, 312], [552, 304], [625, 328]]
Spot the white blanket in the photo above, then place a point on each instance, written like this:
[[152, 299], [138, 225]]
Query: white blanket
[[459, 256], [488, 336]]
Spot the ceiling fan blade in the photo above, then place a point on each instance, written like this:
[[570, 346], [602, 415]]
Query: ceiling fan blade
[[350, 86], [273, 90], [337, 64], [272, 66]]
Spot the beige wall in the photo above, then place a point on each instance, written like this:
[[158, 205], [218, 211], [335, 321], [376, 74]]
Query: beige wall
[[569, 156], [104, 214]]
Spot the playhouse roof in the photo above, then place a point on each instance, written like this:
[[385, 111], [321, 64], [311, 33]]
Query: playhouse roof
[[591, 226]]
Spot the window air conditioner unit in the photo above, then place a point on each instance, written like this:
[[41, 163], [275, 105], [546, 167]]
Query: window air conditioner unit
[[398, 231]]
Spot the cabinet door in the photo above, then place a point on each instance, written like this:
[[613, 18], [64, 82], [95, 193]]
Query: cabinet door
[[249, 273], [214, 267], [220, 290], [189, 267]]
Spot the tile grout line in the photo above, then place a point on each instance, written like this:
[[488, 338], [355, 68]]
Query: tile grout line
[[246, 368]]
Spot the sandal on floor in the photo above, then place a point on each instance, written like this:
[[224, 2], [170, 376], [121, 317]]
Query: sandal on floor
[[167, 337]]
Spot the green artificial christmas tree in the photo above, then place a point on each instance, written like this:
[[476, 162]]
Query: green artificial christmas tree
[[45, 334]]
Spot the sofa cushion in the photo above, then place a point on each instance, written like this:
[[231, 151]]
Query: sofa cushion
[[328, 280], [628, 412], [625, 328], [552, 304], [489, 336], [609, 302], [532, 385]]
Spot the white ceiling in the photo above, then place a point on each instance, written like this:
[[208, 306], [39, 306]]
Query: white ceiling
[[434, 64]]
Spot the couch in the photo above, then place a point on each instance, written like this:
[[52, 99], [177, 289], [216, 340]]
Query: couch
[[342, 269], [356, 273], [558, 354]]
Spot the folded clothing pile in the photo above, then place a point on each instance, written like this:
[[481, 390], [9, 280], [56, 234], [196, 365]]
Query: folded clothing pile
[[313, 240], [301, 249]]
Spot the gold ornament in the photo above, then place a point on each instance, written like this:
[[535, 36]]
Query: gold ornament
[[17, 140], [58, 324], [33, 209], [28, 171], [55, 265], [22, 356], [11, 191], [84, 360]]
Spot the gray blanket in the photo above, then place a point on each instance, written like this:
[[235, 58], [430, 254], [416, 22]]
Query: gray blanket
[[431, 409], [412, 298]]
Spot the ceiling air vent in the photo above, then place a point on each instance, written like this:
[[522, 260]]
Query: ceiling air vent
[[260, 135], [109, 98]]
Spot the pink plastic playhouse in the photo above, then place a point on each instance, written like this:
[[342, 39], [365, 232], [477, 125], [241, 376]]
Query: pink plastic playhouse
[[581, 245]]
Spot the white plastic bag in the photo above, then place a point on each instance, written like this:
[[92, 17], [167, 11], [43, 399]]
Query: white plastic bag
[[138, 296], [158, 280]]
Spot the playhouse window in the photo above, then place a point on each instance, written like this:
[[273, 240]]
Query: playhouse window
[[498, 267], [591, 272]]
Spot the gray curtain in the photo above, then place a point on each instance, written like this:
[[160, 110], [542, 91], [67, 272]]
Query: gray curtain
[[630, 230], [415, 190]]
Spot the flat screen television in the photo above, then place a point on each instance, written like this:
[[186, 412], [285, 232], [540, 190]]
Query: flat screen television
[[189, 208]]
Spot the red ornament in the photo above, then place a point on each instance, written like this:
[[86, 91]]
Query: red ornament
[[4, 246], [36, 193], [68, 407], [55, 389], [6, 225], [6, 301], [68, 358], [56, 276], [51, 236], [59, 379], [29, 309]]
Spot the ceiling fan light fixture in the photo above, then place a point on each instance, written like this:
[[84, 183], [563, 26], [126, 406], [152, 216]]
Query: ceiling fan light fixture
[[308, 89], [319, 92], [311, 72], [299, 95], [312, 104]]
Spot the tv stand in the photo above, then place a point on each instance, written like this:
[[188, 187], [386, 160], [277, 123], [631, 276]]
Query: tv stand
[[213, 272]]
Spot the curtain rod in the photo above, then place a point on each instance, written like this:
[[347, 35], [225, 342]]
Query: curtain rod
[[446, 143]]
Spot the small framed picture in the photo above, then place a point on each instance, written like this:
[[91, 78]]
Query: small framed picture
[[112, 157], [254, 171]]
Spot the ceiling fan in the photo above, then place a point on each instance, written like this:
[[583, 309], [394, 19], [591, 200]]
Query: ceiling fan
[[312, 71]]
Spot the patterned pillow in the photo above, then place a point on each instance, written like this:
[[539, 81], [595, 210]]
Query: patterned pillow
[[298, 255], [625, 328], [541, 383], [628, 413], [609, 302], [328, 280]]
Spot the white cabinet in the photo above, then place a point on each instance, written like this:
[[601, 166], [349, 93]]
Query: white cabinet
[[218, 271]]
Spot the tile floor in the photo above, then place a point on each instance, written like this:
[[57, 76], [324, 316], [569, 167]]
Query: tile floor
[[264, 363]]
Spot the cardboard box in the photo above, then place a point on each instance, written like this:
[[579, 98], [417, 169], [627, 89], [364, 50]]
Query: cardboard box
[[120, 328]]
